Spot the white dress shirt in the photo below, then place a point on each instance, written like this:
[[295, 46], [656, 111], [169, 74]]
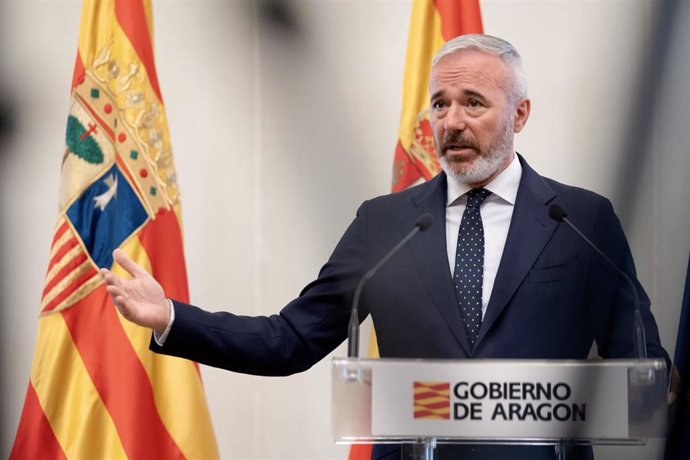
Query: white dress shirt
[[496, 212]]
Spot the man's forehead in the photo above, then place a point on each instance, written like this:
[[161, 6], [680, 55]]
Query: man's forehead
[[469, 60], [470, 67]]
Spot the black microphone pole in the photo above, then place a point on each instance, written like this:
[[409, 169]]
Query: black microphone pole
[[422, 224], [557, 213]]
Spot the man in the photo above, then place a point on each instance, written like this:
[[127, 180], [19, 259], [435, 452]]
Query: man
[[495, 277]]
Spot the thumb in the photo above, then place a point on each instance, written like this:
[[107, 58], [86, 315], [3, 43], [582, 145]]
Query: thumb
[[128, 264]]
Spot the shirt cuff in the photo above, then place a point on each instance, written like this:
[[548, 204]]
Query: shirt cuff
[[160, 338]]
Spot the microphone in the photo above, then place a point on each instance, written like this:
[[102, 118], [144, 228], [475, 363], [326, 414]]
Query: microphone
[[558, 214], [423, 223]]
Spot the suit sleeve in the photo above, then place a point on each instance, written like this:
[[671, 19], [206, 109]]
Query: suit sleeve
[[291, 341], [611, 297]]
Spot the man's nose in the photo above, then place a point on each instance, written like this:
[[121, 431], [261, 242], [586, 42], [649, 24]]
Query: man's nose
[[455, 118]]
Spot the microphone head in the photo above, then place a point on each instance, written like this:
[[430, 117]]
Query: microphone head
[[557, 213], [424, 221]]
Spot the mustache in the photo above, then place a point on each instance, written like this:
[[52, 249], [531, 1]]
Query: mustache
[[457, 137]]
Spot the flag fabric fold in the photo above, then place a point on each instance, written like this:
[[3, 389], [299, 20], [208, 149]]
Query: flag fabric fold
[[95, 390], [433, 22]]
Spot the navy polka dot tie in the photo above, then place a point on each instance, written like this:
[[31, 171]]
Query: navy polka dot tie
[[469, 263]]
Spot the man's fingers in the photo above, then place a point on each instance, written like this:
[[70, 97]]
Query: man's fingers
[[119, 302], [110, 278], [106, 274], [116, 293], [128, 264]]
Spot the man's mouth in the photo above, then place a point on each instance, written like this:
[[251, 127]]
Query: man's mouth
[[458, 146], [459, 150]]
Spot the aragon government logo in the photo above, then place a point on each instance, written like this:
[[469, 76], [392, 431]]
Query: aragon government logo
[[431, 400]]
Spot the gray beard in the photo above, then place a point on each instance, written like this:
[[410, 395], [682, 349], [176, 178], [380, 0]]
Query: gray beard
[[473, 172]]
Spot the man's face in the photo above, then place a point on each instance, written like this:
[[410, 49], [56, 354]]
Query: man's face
[[472, 115]]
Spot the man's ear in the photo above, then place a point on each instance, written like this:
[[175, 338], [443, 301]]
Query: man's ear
[[522, 111]]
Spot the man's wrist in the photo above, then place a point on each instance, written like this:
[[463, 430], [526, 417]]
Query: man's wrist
[[160, 337]]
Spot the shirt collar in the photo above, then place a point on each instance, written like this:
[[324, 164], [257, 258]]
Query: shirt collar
[[504, 186]]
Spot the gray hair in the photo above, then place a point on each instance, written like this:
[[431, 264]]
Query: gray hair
[[494, 45]]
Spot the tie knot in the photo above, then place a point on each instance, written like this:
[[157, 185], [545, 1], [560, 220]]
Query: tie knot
[[476, 196]]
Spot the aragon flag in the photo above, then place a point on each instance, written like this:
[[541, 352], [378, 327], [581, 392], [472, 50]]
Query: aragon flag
[[96, 391], [433, 22]]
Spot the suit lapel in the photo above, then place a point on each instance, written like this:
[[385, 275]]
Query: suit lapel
[[530, 230], [430, 256]]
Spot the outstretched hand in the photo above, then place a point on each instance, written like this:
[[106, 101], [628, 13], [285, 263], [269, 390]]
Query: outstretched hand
[[140, 299]]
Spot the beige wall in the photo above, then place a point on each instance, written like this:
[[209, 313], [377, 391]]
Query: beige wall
[[279, 135]]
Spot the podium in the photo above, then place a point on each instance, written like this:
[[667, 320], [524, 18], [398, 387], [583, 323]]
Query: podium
[[530, 402]]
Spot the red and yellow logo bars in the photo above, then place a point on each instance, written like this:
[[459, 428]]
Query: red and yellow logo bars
[[431, 400]]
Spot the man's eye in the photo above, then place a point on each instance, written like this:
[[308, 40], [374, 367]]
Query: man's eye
[[438, 104], [474, 103]]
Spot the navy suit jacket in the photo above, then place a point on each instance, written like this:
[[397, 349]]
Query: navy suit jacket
[[552, 297]]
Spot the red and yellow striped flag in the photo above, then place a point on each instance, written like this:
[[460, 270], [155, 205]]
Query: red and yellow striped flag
[[433, 23], [96, 391]]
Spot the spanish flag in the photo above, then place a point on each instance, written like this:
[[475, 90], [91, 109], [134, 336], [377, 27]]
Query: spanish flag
[[433, 23], [96, 391]]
